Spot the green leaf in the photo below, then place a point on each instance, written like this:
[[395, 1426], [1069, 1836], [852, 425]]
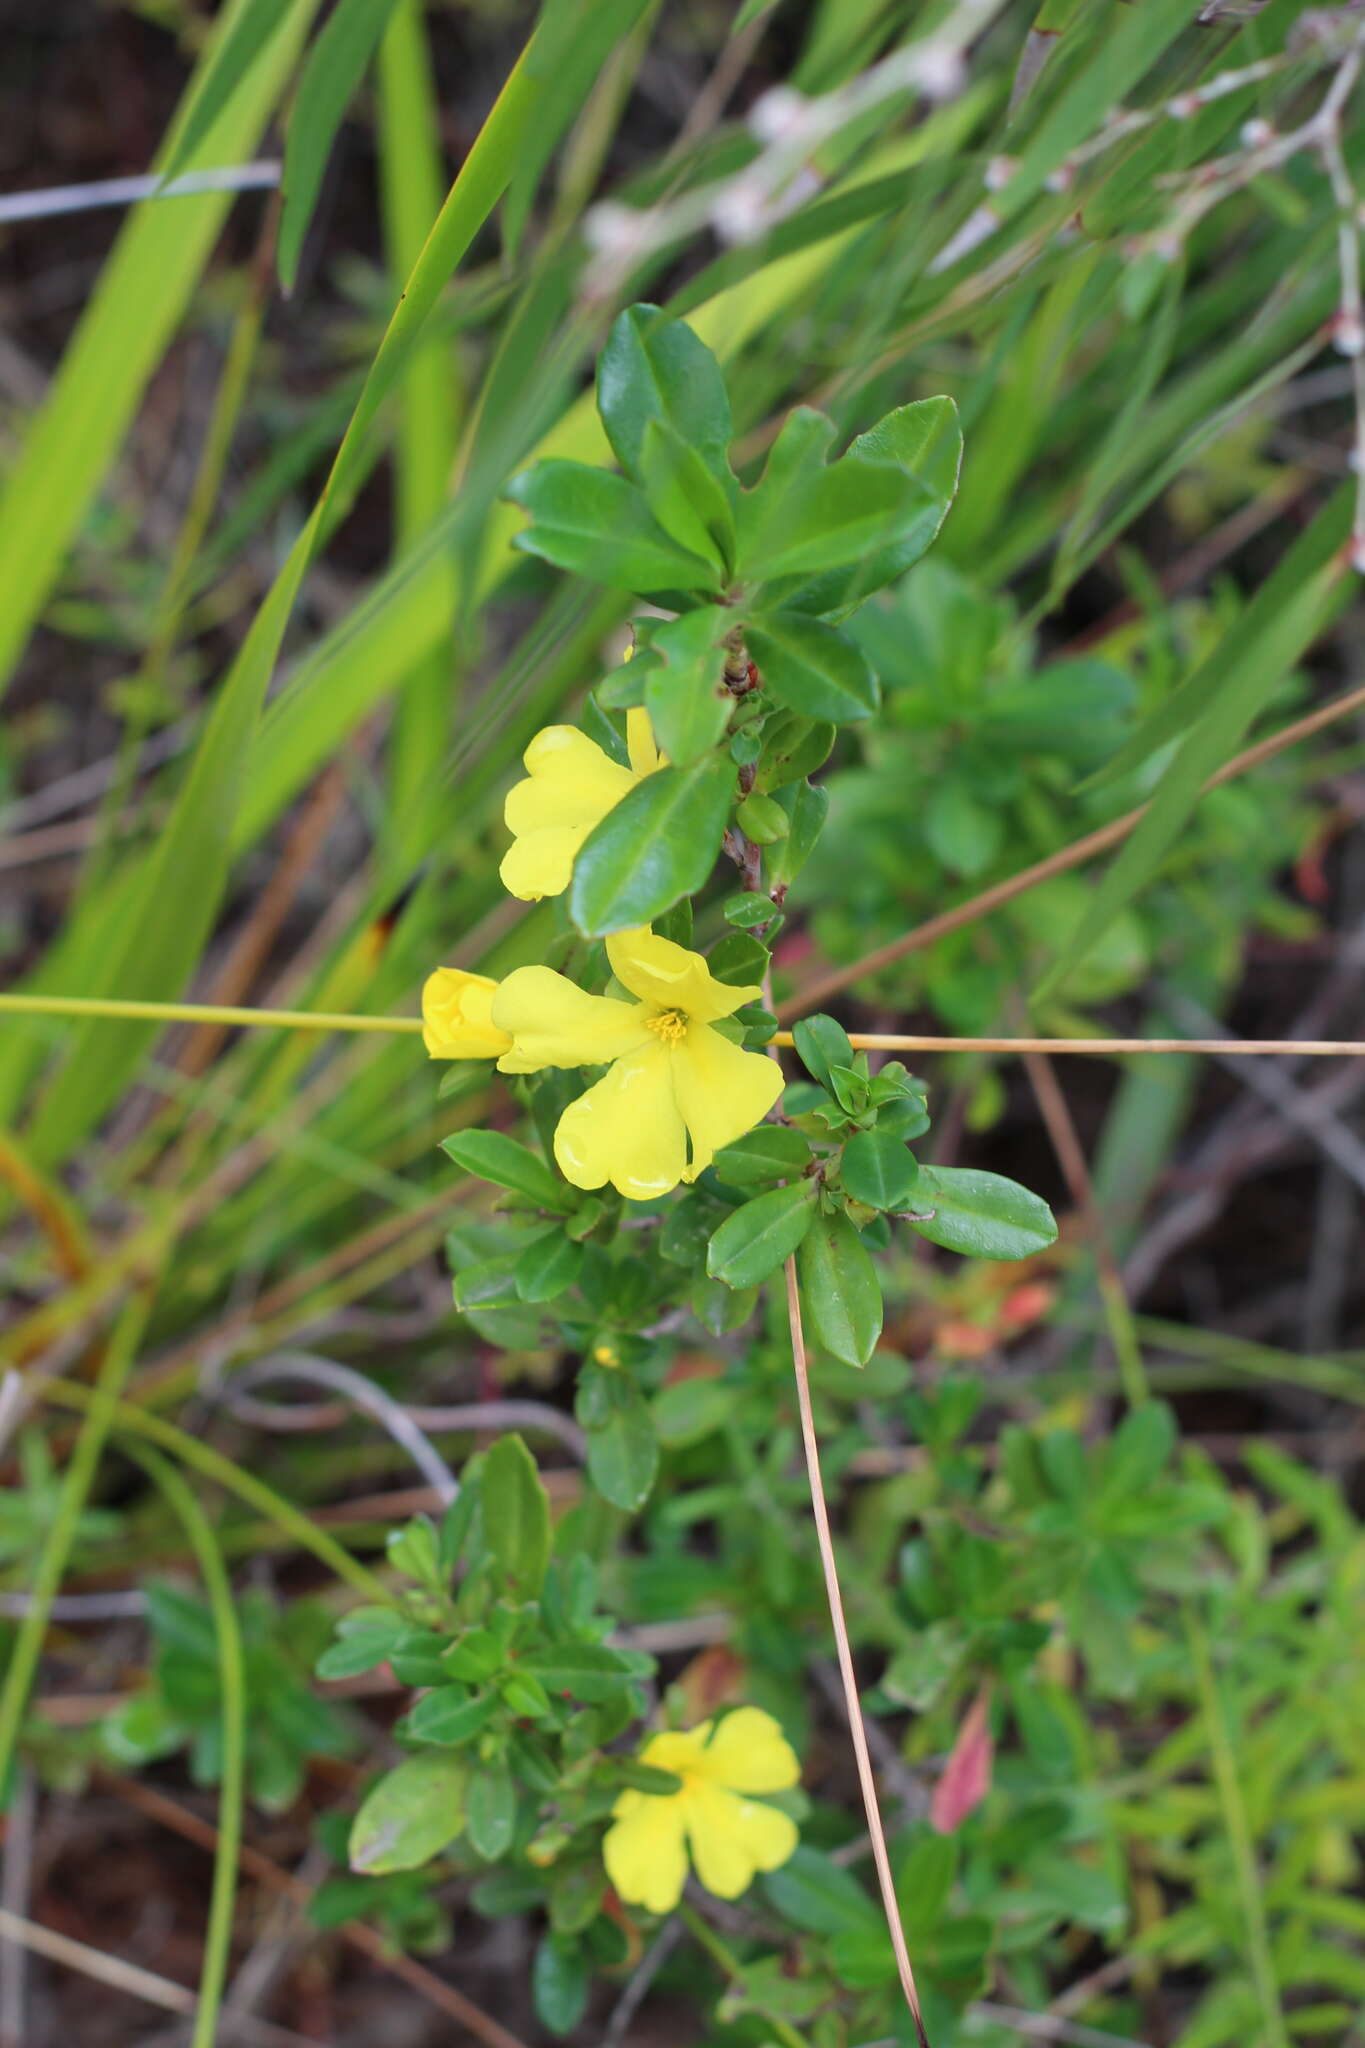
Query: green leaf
[[560, 1979], [598, 525], [234, 50], [335, 66], [685, 696], [1240, 676], [810, 667], [981, 1215], [547, 1268], [822, 1046], [516, 1515], [409, 1816], [655, 368], [361, 1649], [659, 843], [754, 1240], [963, 831], [688, 1410], [492, 1155], [878, 1170], [491, 1810], [623, 1449], [820, 1896], [878, 507], [807, 807], [769, 1152], [685, 496], [588, 1671], [840, 1292], [449, 1717]]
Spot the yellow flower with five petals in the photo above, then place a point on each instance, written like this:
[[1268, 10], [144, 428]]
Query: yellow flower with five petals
[[729, 1834], [570, 786], [676, 1090], [456, 1016]]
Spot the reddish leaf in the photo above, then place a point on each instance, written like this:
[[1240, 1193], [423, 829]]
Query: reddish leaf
[[967, 1774]]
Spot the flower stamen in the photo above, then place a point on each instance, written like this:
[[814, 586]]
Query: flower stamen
[[669, 1025]]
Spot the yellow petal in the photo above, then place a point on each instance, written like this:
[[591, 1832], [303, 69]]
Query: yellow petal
[[644, 1851], [551, 1023], [676, 1749], [749, 1753], [641, 744], [626, 1129], [457, 1022], [672, 978], [541, 864], [731, 1838], [722, 1091], [570, 785], [570, 782]]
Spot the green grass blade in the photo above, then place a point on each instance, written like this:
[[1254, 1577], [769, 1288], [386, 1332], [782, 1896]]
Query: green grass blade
[[99, 1403], [335, 67], [137, 305], [244, 34], [412, 181], [231, 1785]]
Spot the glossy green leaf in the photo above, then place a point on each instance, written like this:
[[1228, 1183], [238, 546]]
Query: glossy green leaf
[[811, 667], [686, 497], [878, 1170], [769, 1152], [492, 1155], [878, 507], [516, 1515], [655, 368], [685, 695], [981, 1215], [822, 1045], [841, 1296], [754, 1240], [413, 1813], [659, 843], [598, 525]]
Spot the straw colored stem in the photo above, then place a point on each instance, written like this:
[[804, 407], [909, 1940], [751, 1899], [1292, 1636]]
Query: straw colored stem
[[866, 1041], [866, 1780]]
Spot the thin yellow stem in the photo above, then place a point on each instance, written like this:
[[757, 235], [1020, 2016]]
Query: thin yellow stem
[[864, 1041], [853, 1704], [200, 1013]]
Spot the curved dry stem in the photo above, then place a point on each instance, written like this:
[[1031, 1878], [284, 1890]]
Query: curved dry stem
[[866, 1780]]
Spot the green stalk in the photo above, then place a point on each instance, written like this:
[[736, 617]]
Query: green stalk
[[212, 1465], [232, 1675], [1238, 1827], [728, 1962], [99, 1403]]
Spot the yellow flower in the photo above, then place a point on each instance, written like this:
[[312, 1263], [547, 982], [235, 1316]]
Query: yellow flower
[[677, 1090], [571, 785], [729, 1835], [456, 1019]]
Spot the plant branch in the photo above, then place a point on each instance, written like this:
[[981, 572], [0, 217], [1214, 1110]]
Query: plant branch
[[853, 1705]]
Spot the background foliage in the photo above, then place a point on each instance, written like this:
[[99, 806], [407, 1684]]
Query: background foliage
[[272, 657]]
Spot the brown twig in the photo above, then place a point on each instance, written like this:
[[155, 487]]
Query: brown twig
[[354, 1933], [853, 1705]]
